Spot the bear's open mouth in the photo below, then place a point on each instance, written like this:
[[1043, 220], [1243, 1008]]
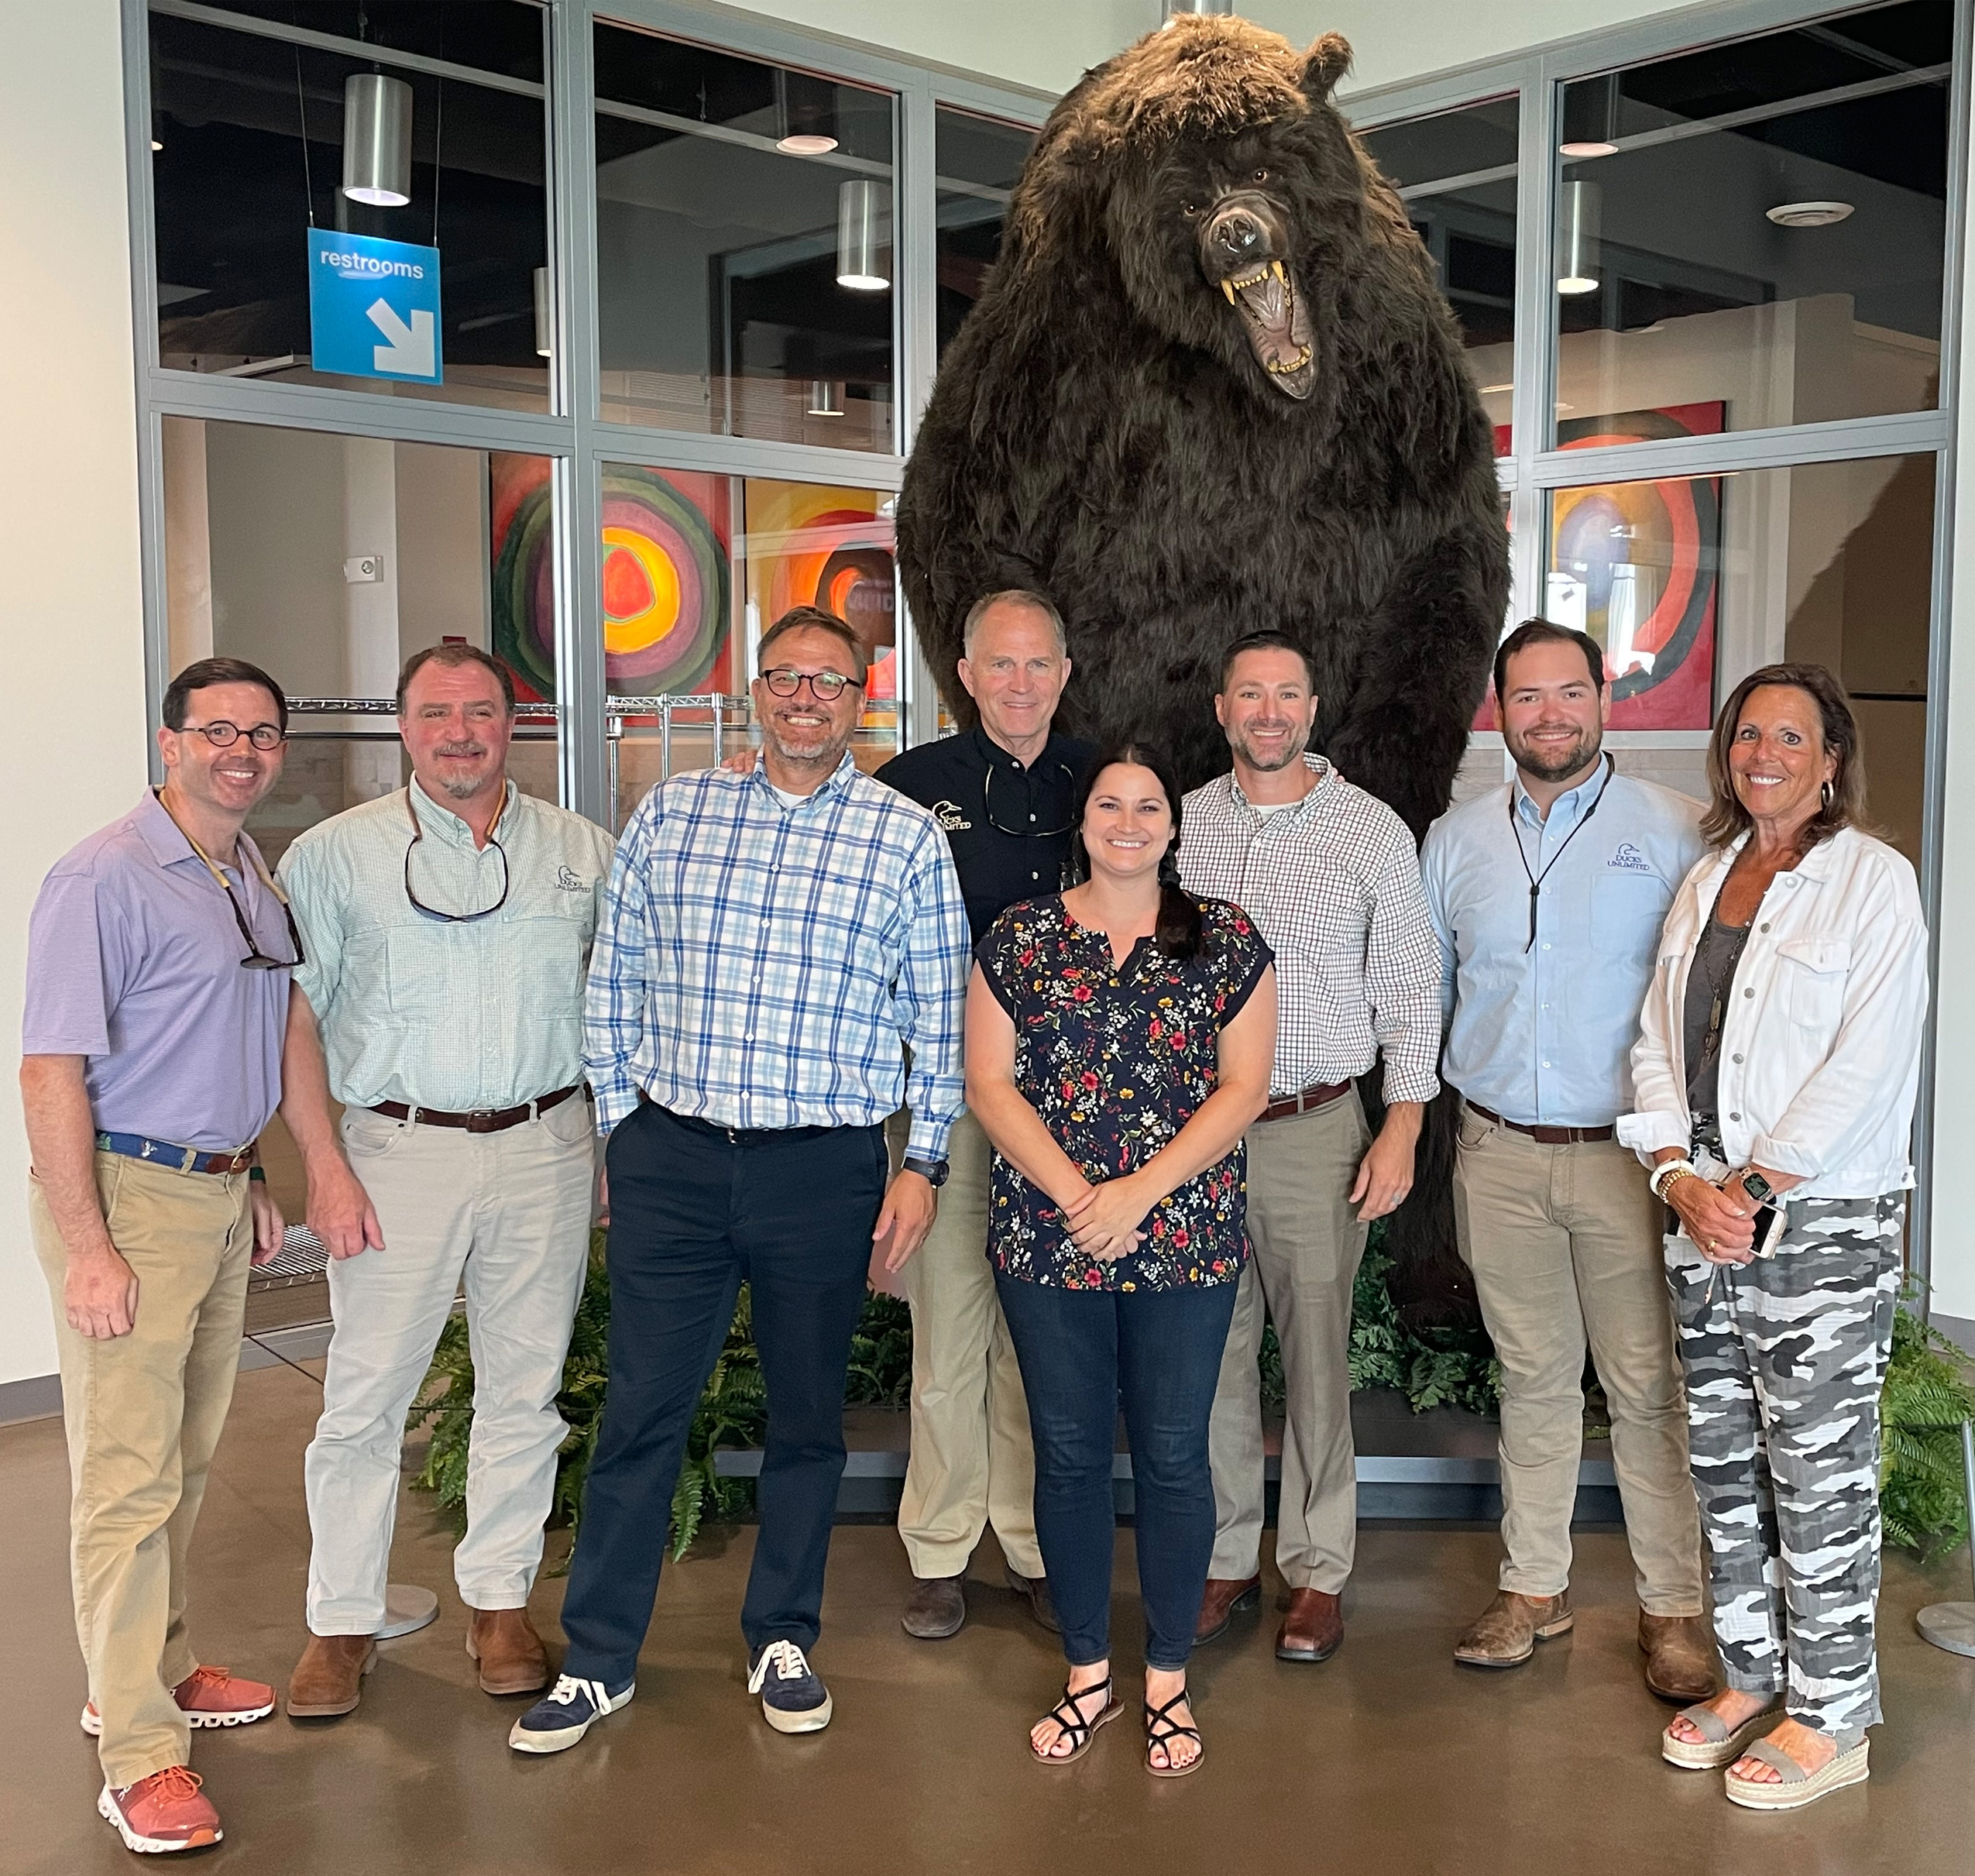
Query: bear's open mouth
[[1278, 327]]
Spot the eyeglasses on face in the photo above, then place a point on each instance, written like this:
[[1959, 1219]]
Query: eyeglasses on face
[[224, 735], [827, 686]]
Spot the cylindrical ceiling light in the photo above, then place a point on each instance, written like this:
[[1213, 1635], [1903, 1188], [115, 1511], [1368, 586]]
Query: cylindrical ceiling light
[[377, 140], [1210, 8], [860, 236], [544, 323], [1576, 238], [805, 118], [826, 397]]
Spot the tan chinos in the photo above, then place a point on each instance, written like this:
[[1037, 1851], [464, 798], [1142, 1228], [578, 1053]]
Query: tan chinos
[[143, 1413], [972, 1462], [1565, 1244], [1305, 1245]]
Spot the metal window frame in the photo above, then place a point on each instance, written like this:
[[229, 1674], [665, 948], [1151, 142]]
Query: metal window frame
[[570, 433], [1533, 469]]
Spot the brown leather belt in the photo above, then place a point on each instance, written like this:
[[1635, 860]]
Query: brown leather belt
[[482, 1120], [1311, 1098], [1546, 1136]]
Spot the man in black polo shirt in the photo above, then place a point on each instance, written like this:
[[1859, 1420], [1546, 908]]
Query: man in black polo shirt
[[1004, 793]]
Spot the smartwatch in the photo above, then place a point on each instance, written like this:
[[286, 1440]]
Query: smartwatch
[[1757, 1187], [934, 1172]]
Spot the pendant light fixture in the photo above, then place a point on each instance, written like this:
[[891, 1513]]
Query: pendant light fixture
[[377, 139], [804, 114], [544, 325], [1206, 8], [1577, 238], [860, 262], [826, 397]]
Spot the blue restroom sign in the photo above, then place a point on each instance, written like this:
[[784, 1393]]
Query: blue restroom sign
[[373, 307]]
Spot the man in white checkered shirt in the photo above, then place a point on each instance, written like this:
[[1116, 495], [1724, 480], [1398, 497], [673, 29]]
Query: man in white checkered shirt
[[1331, 876]]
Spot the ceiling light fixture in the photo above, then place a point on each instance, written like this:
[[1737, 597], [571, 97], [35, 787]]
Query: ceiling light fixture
[[1576, 238], [1809, 214], [805, 112], [860, 264], [804, 143], [377, 139], [826, 397], [1590, 117], [544, 321]]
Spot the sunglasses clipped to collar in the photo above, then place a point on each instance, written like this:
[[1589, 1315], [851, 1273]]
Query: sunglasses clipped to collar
[[256, 958]]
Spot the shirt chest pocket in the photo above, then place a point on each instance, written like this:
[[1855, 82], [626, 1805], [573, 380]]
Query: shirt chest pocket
[[1813, 973], [544, 961], [1628, 910]]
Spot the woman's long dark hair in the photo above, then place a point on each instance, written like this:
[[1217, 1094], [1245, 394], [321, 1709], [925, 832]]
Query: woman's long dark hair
[[1178, 933]]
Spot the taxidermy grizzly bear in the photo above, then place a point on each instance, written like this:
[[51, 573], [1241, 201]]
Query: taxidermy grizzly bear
[[1212, 388]]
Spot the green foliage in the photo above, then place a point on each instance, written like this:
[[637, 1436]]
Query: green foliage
[[1921, 1500], [1440, 1368]]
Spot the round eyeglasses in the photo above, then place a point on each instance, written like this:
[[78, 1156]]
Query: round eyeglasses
[[224, 735], [827, 685]]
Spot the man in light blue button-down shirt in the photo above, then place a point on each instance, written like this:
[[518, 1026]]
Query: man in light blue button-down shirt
[[1548, 894]]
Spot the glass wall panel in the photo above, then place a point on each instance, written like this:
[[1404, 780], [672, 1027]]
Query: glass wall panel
[[247, 162], [696, 568], [1692, 583], [978, 159], [1752, 235], [327, 560], [493, 36], [744, 247], [1456, 173]]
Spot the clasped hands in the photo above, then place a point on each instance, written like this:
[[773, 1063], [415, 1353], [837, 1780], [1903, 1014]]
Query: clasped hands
[[1103, 1219], [1720, 1219]]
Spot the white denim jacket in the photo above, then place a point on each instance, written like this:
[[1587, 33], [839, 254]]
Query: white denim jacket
[[1820, 1048]]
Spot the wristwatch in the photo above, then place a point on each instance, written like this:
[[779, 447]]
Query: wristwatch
[[1757, 1187], [934, 1172]]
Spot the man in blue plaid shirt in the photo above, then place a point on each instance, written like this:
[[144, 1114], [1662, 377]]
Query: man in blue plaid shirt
[[772, 945]]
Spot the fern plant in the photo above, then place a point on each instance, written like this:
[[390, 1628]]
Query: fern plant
[[1922, 1501]]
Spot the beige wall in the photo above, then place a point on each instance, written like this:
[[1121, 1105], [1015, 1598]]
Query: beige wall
[[67, 484]]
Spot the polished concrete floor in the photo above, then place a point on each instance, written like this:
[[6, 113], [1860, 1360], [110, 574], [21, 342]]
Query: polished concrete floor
[[1388, 1758]]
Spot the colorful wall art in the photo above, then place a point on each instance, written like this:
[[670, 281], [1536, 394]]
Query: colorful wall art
[[1637, 565], [666, 593], [809, 545]]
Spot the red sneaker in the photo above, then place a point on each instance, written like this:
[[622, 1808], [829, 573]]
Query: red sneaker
[[162, 1812], [207, 1697]]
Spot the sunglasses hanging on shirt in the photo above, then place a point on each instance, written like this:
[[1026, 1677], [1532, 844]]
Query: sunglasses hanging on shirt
[[256, 958], [432, 912], [1032, 831]]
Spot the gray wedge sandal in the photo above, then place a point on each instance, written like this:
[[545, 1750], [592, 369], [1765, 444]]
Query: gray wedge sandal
[[1720, 1744], [1796, 1787]]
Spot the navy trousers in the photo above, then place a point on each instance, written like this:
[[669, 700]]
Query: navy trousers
[[694, 1210], [1156, 1353]]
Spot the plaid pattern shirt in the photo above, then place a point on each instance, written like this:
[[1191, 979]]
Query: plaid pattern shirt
[[763, 967], [1333, 885]]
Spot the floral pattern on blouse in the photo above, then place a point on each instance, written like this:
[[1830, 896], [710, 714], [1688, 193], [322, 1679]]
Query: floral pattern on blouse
[[1116, 1059]]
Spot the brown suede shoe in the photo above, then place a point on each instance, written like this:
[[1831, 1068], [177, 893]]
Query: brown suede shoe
[[1510, 1626], [935, 1609], [1680, 1657], [328, 1679], [1223, 1597], [1314, 1629], [1034, 1591], [512, 1658]]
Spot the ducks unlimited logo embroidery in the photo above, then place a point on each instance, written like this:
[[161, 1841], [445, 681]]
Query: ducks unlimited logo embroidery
[[950, 817]]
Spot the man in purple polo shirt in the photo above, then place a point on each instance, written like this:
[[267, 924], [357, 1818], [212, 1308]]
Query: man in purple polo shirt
[[158, 955]]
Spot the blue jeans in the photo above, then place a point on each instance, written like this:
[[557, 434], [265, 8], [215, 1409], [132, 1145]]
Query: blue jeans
[[1157, 1353], [694, 1210]]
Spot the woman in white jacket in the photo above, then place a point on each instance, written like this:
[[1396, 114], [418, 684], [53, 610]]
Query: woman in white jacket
[[1774, 1076]]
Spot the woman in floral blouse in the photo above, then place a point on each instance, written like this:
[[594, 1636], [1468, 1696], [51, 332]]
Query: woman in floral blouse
[[1119, 1039]]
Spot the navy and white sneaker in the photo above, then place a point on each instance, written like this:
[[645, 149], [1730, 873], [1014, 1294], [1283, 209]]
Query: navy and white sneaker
[[562, 1716], [794, 1699]]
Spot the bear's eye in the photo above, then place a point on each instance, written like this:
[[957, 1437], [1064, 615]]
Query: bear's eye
[[1190, 210], [1262, 176]]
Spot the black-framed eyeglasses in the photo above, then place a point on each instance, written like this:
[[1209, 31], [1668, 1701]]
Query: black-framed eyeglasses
[[1031, 828], [224, 735], [827, 686], [429, 912]]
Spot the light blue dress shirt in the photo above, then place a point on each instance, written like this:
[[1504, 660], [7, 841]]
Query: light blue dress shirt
[[1542, 1032]]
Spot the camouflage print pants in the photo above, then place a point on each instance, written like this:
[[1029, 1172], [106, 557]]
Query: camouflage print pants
[[1784, 1358]]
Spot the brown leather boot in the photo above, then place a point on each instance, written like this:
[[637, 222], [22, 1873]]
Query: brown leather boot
[[328, 1679], [512, 1658], [1508, 1630], [1223, 1597], [1314, 1629], [1680, 1657]]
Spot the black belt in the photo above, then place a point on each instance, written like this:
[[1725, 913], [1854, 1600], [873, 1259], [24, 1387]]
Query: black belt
[[754, 1136], [482, 1120]]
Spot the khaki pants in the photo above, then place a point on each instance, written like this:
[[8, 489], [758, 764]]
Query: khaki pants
[[1564, 1245], [1306, 1243], [510, 1211], [143, 1413], [972, 1463]]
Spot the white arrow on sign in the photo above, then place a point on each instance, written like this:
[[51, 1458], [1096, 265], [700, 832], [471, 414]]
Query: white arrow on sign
[[413, 349]]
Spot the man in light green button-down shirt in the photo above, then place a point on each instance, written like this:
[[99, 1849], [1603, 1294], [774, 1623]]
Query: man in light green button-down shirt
[[448, 928]]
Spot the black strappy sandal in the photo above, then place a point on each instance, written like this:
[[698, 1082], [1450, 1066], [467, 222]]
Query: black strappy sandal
[[1075, 1728], [1160, 1727]]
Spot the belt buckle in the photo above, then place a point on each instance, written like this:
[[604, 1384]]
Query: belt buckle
[[480, 1120]]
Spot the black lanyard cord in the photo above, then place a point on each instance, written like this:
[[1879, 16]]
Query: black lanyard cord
[[1536, 879]]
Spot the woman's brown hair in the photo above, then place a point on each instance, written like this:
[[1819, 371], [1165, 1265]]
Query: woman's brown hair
[[1844, 798]]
